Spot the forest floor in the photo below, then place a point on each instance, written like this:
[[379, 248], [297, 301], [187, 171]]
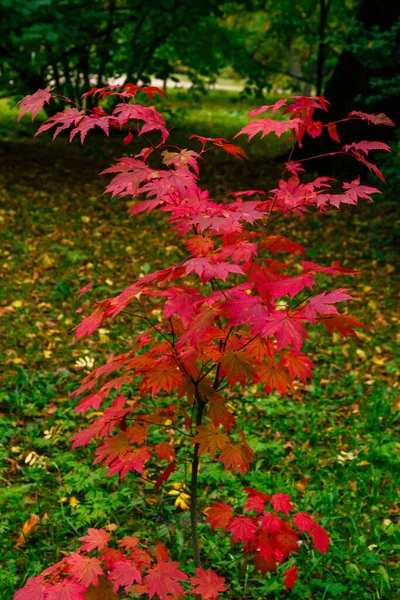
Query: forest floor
[[331, 444]]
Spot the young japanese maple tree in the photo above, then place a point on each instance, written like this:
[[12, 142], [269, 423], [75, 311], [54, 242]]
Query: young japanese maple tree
[[228, 314]]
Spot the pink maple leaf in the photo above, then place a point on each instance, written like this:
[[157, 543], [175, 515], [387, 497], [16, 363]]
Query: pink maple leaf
[[34, 102], [287, 329], [207, 584], [163, 578], [66, 590], [61, 120], [96, 539], [124, 574], [33, 590], [323, 304], [267, 126], [84, 569]]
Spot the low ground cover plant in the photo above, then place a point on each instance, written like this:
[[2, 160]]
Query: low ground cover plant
[[228, 315]]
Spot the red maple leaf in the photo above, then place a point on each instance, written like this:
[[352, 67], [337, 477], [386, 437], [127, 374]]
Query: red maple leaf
[[281, 502], [298, 364], [165, 450], [237, 367], [96, 539], [267, 126], [219, 515], [290, 578], [236, 151], [380, 119], [270, 522], [161, 553], [287, 542], [273, 107], [236, 457], [165, 376], [366, 147], [255, 500], [320, 538], [243, 529], [343, 323], [208, 584], [275, 376], [124, 574], [303, 522], [162, 579], [35, 102], [287, 329], [210, 439], [65, 590], [84, 569], [323, 304], [33, 590], [280, 242]]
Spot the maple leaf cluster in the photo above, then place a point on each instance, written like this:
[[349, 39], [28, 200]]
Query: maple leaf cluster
[[237, 309], [268, 538], [98, 570]]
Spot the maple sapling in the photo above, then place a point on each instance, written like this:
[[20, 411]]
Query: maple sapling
[[231, 314]]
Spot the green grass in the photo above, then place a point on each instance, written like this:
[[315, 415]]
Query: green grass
[[332, 444]]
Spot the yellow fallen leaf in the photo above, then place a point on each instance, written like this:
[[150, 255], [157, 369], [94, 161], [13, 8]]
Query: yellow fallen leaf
[[85, 219], [17, 303], [17, 361], [27, 528], [362, 463]]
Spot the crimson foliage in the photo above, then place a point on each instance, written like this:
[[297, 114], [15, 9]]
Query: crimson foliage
[[229, 313]]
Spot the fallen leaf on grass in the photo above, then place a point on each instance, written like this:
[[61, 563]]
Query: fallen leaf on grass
[[27, 528]]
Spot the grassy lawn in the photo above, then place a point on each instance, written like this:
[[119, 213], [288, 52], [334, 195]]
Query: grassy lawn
[[332, 444]]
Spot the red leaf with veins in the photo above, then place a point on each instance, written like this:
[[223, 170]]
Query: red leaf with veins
[[243, 529], [274, 107], [33, 590], [270, 522], [303, 522], [275, 376], [162, 579], [366, 147], [323, 304], [96, 539], [380, 119], [35, 102], [84, 569], [298, 364], [219, 515], [210, 439], [124, 574], [287, 329], [267, 126], [342, 323], [236, 458], [208, 584], [281, 502], [61, 120], [65, 590]]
